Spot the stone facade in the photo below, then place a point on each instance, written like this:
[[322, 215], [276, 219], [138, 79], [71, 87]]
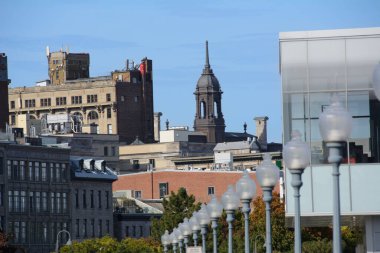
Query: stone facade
[[118, 104]]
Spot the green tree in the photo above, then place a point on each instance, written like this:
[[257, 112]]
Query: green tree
[[178, 206]]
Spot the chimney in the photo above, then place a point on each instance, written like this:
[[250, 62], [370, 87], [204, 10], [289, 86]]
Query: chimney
[[4, 82], [261, 131], [157, 126]]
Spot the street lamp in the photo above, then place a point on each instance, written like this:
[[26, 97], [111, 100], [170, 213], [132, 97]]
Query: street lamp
[[297, 157], [179, 236], [186, 231], [165, 240], [230, 201], [57, 243], [195, 227], [204, 220], [215, 210], [173, 240], [267, 175], [376, 81], [246, 188], [335, 125]]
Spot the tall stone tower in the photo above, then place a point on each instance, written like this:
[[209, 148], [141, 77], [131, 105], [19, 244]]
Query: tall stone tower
[[4, 81], [208, 95]]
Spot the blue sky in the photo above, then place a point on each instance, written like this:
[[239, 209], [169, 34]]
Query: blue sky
[[242, 35]]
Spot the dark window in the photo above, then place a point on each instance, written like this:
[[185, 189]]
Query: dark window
[[100, 228], [60, 101], [92, 98], [126, 231], [30, 103], [107, 199], [45, 102], [84, 199], [105, 151], [13, 119], [109, 113], [164, 189], [92, 115], [92, 227], [1, 165], [84, 228], [76, 100], [113, 151], [152, 162], [141, 231], [108, 97], [13, 104], [76, 198], [137, 194], [100, 199], [77, 228], [92, 198], [134, 231], [108, 226], [211, 190]]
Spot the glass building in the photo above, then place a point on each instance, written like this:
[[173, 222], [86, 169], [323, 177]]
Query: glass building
[[315, 65]]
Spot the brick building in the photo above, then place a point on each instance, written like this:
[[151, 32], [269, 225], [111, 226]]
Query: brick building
[[121, 103], [158, 184]]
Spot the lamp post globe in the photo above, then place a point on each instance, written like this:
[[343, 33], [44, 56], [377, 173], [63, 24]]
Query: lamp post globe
[[214, 209], [267, 175], [246, 188], [296, 154], [230, 201], [335, 125], [195, 227], [186, 231], [204, 220], [174, 241], [165, 240], [179, 235], [376, 80]]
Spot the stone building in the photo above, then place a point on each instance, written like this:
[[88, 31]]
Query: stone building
[[4, 81], [208, 95], [35, 195], [121, 103], [91, 199]]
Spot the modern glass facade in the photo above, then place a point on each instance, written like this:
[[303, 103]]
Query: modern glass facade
[[316, 64]]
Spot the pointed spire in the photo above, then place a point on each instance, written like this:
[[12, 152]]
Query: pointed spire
[[207, 65]]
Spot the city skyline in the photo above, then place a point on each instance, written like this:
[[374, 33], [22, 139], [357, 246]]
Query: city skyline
[[243, 45]]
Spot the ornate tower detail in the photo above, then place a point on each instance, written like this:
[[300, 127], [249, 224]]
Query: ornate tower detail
[[208, 95]]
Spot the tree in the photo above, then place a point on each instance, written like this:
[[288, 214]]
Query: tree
[[178, 206]]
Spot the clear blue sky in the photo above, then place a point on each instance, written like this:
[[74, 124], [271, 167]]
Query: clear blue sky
[[242, 35]]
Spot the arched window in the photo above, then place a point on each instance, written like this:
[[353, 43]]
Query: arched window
[[216, 115], [92, 115], [76, 124], [203, 109]]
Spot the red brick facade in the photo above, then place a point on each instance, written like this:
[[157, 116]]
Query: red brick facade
[[195, 182]]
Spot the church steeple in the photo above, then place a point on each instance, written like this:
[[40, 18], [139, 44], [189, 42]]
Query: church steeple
[[209, 117]]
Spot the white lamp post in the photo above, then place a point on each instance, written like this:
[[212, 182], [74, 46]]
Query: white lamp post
[[297, 157], [186, 231], [204, 220], [179, 235], [335, 125], [230, 201], [246, 188], [173, 240], [267, 175], [215, 210], [57, 241], [165, 240], [195, 227], [376, 81]]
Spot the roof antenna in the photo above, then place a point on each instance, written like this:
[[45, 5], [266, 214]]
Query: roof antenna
[[207, 65]]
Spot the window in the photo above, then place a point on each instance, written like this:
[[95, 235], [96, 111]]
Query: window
[[52, 170], [76, 198], [164, 189], [108, 97], [13, 119], [107, 199], [23, 201], [84, 196], [134, 231], [1, 195], [92, 98], [52, 202], [38, 201], [23, 232], [92, 227], [92, 115], [136, 99], [22, 170], [77, 228], [10, 201], [13, 105], [109, 113], [109, 128], [100, 199], [84, 228], [141, 231], [44, 205], [43, 172], [37, 171], [30, 171], [122, 98], [211, 190], [92, 198], [137, 194], [100, 228], [58, 202], [57, 172], [113, 151], [76, 100], [152, 162], [105, 151], [108, 226], [64, 202], [60, 101], [30, 103], [45, 102], [126, 231]]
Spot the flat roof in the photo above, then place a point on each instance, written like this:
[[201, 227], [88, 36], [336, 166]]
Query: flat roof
[[354, 32]]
